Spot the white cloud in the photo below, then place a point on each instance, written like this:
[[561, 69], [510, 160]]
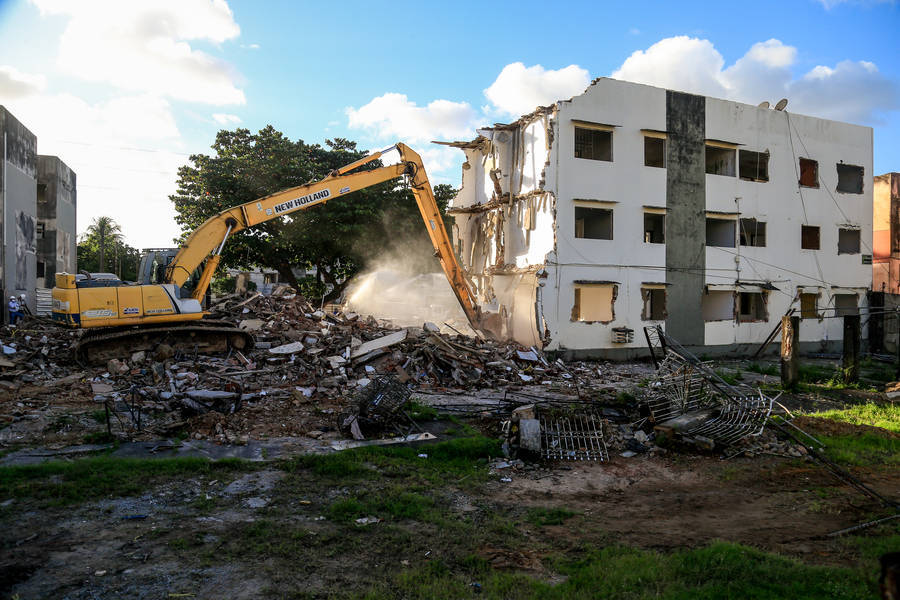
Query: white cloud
[[394, 116], [120, 163], [144, 46], [850, 91], [226, 119], [250, 46], [519, 89], [16, 84]]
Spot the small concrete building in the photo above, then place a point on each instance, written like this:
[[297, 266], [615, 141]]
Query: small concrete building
[[18, 209], [56, 222], [632, 205]]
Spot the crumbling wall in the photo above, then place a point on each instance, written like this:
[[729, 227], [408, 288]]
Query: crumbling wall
[[504, 221]]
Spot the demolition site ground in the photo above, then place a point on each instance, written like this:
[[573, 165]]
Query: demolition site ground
[[94, 506]]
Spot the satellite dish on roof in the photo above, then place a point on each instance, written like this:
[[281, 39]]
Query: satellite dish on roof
[[763, 104], [781, 104]]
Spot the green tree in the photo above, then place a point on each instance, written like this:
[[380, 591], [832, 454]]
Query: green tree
[[101, 249], [108, 233], [339, 238]]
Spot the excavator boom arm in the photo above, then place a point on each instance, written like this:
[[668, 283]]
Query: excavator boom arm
[[207, 241]]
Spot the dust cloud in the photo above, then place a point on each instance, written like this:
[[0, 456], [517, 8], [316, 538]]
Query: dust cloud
[[395, 289]]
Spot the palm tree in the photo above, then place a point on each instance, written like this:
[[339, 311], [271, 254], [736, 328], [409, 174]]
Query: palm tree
[[106, 231]]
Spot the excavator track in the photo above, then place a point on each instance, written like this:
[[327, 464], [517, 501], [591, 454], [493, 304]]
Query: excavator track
[[202, 337]]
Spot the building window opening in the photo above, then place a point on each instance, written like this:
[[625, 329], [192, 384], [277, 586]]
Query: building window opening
[[720, 232], [808, 306], [654, 304], [41, 270], [593, 223], [850, 179], [593, 144], [654, 151], [846, 304], [754, 166], [809, 173], [594, 303], [654, 228], [720, 161], [717, 306], [752, 307], [848, 241], [42, 192], [753, 233], [809, 237], [39, 230]]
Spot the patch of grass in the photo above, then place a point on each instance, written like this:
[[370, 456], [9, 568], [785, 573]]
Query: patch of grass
[[763, 370], [395, 503], [420, 412], [99, 415], [862, 449], [730, 378], [462, 457], [548, 516], [60, 483], [720, 570], [886, 416]]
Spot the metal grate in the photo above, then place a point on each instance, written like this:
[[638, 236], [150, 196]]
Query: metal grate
[[578, 437], [741, 418], [684, 384]]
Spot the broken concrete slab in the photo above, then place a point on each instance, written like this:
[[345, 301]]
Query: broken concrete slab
[[291, 348], [379, 343]]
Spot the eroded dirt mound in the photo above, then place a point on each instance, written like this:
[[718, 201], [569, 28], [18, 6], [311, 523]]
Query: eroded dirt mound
[[836, 428]]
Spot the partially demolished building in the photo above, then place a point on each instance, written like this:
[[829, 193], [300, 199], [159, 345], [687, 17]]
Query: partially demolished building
[[631, 205]]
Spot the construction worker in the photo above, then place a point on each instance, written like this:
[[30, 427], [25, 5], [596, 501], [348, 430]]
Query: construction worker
[[23, 306], [15, 311]]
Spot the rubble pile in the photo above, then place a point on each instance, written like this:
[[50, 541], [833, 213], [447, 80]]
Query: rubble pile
[[305, 368]]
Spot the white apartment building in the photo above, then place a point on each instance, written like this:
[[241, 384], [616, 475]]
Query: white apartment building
[[631, 205]]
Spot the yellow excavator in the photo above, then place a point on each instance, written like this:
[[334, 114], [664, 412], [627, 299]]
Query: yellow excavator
[[116, 317]]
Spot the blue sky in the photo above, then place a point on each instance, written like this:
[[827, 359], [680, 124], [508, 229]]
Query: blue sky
[[124, 91]]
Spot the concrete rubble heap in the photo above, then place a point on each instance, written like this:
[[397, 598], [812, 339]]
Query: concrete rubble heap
[[304, 369]]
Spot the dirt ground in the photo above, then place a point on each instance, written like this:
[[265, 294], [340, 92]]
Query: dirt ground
[[134, 547]]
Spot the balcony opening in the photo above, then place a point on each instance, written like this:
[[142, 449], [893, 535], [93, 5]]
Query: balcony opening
[[753, 233], [752, 307], [754, 166], [846, 304], [593, 144], [809, 173], [654, 151], [809, 237], [809, 306], [594, 303], [720, 161], [654, 304], [850, 179], [717, 305], [654, 228], [593, 223], [720, 232], [848, 241]]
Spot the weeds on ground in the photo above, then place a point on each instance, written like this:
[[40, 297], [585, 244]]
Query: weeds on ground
[[886, 416], [541, 516], [763, 370], [61, 483], [720, 570]]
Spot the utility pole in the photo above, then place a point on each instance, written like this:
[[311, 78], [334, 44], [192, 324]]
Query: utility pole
[[790, 340], [850, 362]]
